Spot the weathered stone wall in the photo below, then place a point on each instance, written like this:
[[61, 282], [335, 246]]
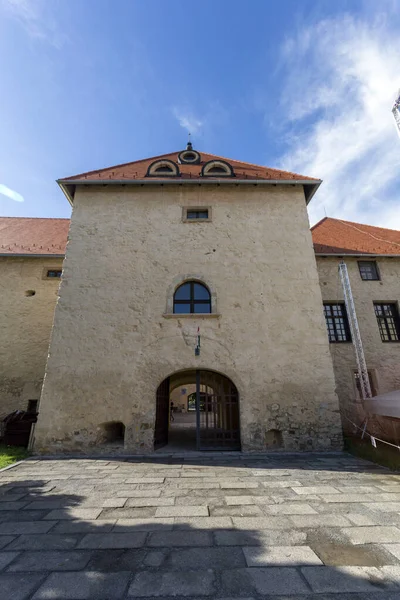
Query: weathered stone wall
[[25, 325], [383, 359], [112, 345]]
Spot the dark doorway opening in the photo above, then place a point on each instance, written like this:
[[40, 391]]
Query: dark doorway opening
[[197, 410]]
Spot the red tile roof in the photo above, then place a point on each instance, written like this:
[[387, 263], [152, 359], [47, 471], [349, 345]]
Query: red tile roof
[[138, 170], [330, 236], [33, 236], [334, 236]]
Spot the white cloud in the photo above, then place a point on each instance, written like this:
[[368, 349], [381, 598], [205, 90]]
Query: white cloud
[[187, 120], [37, 20], [343, 75], [6, 191]]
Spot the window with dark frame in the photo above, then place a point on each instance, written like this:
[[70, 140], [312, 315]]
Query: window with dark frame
[[197, 214], [337, 322], [387, 315], [192, 298], [368, 270], [54, 273]]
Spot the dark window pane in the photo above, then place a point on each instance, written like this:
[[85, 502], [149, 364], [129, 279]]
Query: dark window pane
[[201, 292], [388, 322], [337, 323], [164, 169], [217, 170], [54, 273], [182, 309], [197, 214], [183, 292], [368, 270], [202, 308]]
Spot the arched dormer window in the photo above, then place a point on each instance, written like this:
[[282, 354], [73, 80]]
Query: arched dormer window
[[163, 168], [192, 297], [217, 168]]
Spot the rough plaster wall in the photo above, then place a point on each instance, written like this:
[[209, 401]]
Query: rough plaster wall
[[25, 325], [111, 345], [383, 359]]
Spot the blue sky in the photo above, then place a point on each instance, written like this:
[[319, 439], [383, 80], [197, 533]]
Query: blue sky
[[305, 85]]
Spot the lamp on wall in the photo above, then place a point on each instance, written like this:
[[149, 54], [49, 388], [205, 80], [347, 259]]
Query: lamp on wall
[[197, 348]]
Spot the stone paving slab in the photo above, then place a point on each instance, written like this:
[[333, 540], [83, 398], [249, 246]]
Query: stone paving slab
[[5, 540], [319, 520], [84, 514], [182, 511], [166, 539], [113, 540], [56, 560], [365, 535], [27, 527], [19, 586], [274, 580], [264, 538], [43, 542], [342, 579], [206, 558], [190, 583], [284, 527], [127, 525], [6, 558], [280, 556], [81, 585], [394, 549]]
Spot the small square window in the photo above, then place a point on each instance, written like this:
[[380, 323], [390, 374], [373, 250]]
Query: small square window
[[53, 273], [201, 213], [368, 270]]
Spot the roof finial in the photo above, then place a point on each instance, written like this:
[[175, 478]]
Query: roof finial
[[189, 145]]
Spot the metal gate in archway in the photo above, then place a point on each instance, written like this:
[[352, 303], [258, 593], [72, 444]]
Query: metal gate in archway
[[216, 407]]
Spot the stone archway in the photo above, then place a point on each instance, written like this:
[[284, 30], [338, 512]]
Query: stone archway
[[216, 422]]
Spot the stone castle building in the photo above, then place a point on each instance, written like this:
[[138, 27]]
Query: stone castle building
[[193, 279]]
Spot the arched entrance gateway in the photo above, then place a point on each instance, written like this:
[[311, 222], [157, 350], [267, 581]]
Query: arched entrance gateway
[[197, 410]]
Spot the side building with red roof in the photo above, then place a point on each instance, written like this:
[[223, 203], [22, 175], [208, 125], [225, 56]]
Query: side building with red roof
[[31, 257], [372, 256]]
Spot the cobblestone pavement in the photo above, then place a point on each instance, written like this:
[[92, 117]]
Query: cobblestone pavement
[[311, 526]]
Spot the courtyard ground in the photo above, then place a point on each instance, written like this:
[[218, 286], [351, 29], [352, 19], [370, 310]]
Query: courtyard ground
[[282, 527]]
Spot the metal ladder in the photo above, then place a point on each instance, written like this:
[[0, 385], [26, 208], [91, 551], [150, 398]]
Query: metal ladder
[[355, 332]]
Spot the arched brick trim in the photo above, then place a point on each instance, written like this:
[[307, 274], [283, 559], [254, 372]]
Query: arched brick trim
[[152, 170], [220, 164]]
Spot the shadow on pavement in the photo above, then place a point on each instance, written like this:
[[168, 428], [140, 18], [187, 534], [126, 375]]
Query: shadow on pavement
[[73, 538]]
